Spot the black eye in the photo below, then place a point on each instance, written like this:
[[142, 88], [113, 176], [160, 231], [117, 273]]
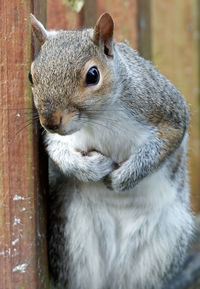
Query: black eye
[[92, 76], [30, 78]]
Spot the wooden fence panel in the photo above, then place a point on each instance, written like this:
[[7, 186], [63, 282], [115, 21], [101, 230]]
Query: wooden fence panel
[[61, 16], [144, 28], [22, 241], [125, 15], [175, 51]]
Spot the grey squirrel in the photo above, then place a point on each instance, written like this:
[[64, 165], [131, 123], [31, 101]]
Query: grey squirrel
[[116, 135]]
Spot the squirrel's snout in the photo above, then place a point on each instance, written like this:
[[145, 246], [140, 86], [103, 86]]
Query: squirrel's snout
[[59, 122], [51, 122], [53, 126]]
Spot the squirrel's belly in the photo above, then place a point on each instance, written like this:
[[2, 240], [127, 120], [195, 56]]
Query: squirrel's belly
[[111, 246], [99, 239], [114, 236]]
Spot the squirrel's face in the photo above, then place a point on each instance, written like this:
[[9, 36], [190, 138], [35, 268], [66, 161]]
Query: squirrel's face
[[72, 75]]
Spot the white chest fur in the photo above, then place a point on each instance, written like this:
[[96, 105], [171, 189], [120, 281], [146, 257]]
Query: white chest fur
[[112, 134]]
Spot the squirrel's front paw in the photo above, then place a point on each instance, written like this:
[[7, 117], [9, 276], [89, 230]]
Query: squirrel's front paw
[[116, 181], [94, 167]]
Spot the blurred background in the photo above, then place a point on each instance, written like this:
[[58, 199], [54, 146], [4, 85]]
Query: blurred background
[[165, 32]]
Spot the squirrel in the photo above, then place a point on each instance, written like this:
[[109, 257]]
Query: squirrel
[[116, 136]]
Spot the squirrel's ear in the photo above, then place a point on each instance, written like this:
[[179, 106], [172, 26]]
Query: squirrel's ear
[[38, 29], [103, 33]]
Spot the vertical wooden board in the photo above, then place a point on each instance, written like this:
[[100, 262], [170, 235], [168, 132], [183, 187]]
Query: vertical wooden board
[[38, 8], [125, 15], [61, 16], [17, 194], [144, 28], [89, 13], [175, 52], [18, 167]]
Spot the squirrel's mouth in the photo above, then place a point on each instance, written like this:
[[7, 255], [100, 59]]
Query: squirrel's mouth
[[61, 132], [60, 122], [69, 132]]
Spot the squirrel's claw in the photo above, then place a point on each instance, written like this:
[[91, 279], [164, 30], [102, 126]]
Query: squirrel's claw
[[108, 182], [114, 182]]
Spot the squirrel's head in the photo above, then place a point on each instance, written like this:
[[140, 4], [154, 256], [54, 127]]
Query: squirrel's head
[[72, 75]]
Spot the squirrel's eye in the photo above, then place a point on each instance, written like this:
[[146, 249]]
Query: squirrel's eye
[[30, 78], [92, 76]]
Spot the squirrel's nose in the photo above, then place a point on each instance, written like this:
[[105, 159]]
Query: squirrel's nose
[[51, 123], [53, 126]]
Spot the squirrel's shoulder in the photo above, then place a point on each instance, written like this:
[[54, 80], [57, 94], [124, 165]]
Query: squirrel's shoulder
[[129, 53], [136, 63], [144, 71]]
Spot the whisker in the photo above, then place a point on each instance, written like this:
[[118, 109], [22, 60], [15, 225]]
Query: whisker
[[28, 113], [86, 108], [112, 110], [95, 123], [111, 125], [105, 118], [43, 131], [19, 114], [100, 124], [28, 124], [29, 119], [18, 132], [17, 108]]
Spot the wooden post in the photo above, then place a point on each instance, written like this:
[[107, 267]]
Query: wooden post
[[125, 15], [89, 13], [61, 16], [175, 51], [23, 259], [144, 28]]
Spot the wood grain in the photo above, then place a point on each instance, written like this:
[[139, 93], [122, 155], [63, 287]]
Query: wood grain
[[125, 15], [144, 28], [89, 13], [61, 16], [19, 186], [175, 51]]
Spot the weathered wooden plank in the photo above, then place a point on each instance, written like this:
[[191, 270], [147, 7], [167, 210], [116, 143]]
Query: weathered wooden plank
[[144, 27], [175, 50], [125, 16], [19, 243], [41, 175], [89, 13], [61, 16]]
